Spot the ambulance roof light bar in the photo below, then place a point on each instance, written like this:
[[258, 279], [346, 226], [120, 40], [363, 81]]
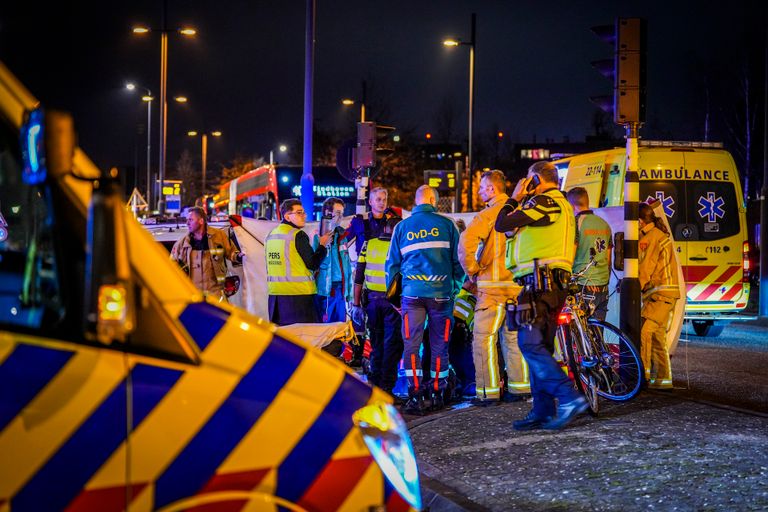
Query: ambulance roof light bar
[[680, 144]]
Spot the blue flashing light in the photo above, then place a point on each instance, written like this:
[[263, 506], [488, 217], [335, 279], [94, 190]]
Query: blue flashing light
[[284, 178], [32, 149]]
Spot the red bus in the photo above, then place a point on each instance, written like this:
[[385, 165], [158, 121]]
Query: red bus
[[262, 189]]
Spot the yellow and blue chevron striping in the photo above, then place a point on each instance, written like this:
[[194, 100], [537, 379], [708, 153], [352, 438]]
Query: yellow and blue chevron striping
[[194, 429]]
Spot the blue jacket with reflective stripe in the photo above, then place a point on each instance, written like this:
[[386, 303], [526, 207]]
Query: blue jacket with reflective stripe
[[424, 250]]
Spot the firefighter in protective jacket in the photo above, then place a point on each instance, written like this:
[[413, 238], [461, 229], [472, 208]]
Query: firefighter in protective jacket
[[481, 253], [659, 285], [203, 254]]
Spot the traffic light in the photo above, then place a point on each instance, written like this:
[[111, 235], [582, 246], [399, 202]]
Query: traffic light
[[209, 204], [627, 69], [372, 140]]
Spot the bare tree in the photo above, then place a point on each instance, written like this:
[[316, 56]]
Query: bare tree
[[740, 123]]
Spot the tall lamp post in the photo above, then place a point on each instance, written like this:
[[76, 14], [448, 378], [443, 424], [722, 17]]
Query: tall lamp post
[[164, 31], [281, 148], [348, 102], [147, 98], [204, 150], [453, 42]]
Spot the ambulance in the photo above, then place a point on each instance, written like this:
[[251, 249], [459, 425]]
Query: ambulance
[[698, 186], [122, 388]]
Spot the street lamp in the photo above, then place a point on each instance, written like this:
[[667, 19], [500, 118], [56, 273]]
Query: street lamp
[[452, 43], [348, 102], [282, 148], [204, 149], [164, 31], [148, 99]]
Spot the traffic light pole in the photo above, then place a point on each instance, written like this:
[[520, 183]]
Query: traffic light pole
[[630, 284], [763, 307]]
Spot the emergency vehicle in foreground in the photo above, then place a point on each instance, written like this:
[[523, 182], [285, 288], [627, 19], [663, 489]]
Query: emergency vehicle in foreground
[[699, 189], [122, 388]]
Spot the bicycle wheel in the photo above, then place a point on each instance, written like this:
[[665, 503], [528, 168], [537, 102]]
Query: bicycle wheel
[[620, 371], [584, 377]]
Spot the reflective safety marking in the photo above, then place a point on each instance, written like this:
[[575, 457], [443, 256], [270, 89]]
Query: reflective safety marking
[[406, 328], [447, 330], [410, 373], [60, 481], [424, 245], [436, 371], [336, 480], [311, 454], [370, 489], [186, 407], [197, 463], [24, 374], [203, 321], [440, 374], [414, 372], [273, 437], [57, 411]]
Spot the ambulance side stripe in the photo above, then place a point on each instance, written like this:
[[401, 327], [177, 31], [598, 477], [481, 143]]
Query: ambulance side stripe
[[35, 366], [59, 481], [305, 463], [203, 321], [197, 463]]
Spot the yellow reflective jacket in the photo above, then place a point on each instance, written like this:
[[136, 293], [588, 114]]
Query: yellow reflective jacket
[[657, 272], [481, 254], [287, 274]]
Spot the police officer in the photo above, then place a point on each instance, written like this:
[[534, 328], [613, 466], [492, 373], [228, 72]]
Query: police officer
[[203, 254], [592, 232], [657, 273], [383, 320], [494, 287], [369, 227], [291, 262], [541, 229], [424, 251]]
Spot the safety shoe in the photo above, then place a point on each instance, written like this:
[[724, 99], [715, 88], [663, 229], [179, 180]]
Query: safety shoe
[[437, 401], [508, 397], [566, 413], [531, 422], [415, 406]]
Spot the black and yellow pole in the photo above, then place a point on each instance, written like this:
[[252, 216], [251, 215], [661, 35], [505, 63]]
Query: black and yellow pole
[[630, 284]]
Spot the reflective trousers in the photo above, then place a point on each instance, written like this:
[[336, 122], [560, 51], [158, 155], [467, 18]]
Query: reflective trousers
[[653, 340], [439, 313], [386, 340], [490, 327], [548, 381]]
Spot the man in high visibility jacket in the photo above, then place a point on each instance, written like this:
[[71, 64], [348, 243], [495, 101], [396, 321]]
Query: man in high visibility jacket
[[383, 319], [541, 226], [291, 262], [423, 251], [592, 233], [203, 254], [494, 287], [658, 282]]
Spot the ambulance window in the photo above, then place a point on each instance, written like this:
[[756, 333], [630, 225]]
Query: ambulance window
[[714, 208], [30, 297], [672, 197]]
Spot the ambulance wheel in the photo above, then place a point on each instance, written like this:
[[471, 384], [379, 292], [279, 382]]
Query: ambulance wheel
[[707, 328]]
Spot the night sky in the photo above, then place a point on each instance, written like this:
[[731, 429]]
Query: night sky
[[244, 72]]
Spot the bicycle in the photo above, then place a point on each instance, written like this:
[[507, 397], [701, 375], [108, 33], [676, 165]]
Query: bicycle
[[602, 360]]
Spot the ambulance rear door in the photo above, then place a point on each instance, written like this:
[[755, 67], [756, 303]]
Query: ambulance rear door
[[714, 232]]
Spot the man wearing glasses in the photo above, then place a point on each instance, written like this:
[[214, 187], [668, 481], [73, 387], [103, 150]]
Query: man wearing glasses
[[291, 263]]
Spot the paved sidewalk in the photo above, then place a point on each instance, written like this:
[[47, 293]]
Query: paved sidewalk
[[658, 452]]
